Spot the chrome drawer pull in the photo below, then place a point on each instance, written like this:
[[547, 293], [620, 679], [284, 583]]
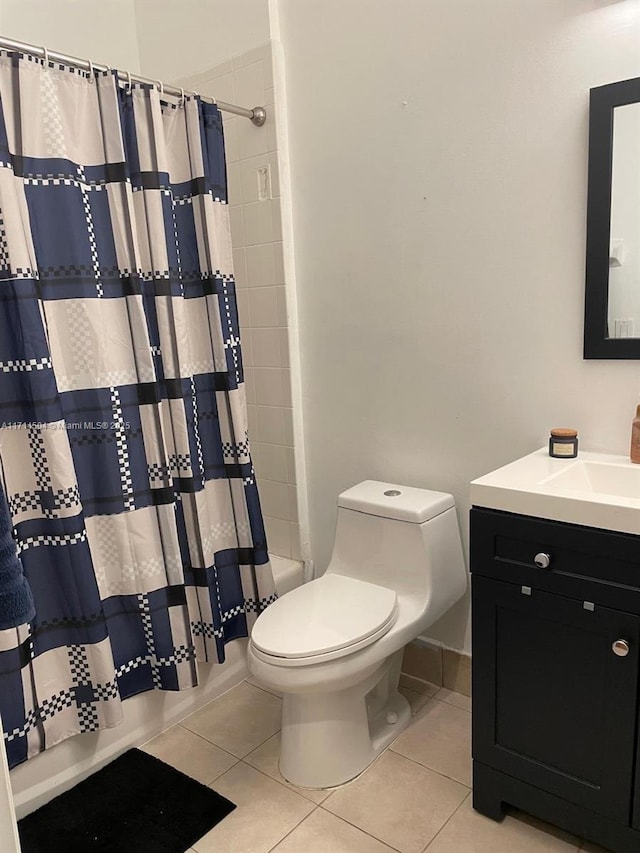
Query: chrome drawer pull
[[620, 648], [542, 560]]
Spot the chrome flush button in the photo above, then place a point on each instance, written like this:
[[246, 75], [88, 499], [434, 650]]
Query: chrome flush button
[[392, 493]]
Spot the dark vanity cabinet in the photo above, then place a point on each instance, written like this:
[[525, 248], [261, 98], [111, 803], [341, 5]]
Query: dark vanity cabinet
[[556, 657]]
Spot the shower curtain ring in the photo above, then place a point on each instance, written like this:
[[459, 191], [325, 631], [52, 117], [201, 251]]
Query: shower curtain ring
[[181, 104], [92, 73], [161, 88], [46, 57], [129, 80]]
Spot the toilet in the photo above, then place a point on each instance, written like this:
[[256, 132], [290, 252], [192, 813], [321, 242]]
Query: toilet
[[333, 647]]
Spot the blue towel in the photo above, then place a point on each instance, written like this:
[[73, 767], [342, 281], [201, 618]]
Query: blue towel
[[16, 601]]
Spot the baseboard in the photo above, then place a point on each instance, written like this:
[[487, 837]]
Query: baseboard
[[425, 664]]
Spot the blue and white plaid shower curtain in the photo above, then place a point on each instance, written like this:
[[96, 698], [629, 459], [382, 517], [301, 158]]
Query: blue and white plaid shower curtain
[[123, 440]]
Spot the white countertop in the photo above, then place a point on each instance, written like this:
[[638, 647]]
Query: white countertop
[[595, 489]]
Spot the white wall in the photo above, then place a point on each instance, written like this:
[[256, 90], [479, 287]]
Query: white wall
[[182, 37], [438, 156], [101, 30]]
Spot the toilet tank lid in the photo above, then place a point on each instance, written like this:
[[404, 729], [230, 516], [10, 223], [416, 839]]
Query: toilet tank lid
[[404, 503]]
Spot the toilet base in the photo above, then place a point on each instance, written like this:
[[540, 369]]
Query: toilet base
[[330, 738]]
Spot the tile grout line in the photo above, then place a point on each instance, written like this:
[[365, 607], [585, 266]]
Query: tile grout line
[[321, 805], [428, 767], [206, 740], [253, 749], [424, 766], [277, 781], [449, 704], [359, 828], [293, 828], [251, 683], [288, 786], [453, 704], [453, 813], [213, 778], [359, 776]]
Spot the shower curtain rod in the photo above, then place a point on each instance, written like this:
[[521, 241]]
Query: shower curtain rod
[[257, 115]]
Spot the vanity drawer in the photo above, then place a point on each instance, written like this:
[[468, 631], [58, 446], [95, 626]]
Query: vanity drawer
[[597, 564]]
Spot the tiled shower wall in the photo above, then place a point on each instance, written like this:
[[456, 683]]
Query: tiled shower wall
[[256, 232]]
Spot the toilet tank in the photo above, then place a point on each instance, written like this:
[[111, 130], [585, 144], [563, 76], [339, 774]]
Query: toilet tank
[[403, 538]]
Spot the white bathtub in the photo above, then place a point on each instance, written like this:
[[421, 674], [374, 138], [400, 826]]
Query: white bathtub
[[287, 574], [37, 781]]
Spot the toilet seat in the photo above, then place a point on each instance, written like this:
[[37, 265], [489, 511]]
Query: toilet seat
[[327, 618]]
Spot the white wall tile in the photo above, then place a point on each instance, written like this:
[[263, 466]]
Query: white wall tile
[[286, 388], [248, 357], [252, 422], [261, 295], [261, 264], [281, 299], [250, 385], [288, 427], [278, 259], [283, 335], [272, 428], [258, 222], [196, 82], [276, 220], [249, 85], [249, 176], [267, 73], [256, 455], [266, 347], [275, 498], [290, 462], [270, 129], [272, 463], [240, 267], [274, 174], [269, 386], [278, 536], [234, 184], [232, 151], [292, 497], [256, 54], [237, 226], [252, 140], [221, 88], [265, 308], [224, 68], [244, 312], [294, 537]]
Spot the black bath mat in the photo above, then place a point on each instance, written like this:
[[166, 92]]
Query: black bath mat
[[136, 804]]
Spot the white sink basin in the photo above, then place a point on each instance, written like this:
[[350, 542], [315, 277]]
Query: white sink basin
[[596, 489], [601, 478]]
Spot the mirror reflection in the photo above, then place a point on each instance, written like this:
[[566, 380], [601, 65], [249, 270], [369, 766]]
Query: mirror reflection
[[612, 282], [623, 308]]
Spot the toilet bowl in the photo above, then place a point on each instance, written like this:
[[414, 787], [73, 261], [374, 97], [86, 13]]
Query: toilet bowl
[[333, 647]]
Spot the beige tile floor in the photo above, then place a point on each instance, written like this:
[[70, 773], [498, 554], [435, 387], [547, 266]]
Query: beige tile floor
[[415, 797]]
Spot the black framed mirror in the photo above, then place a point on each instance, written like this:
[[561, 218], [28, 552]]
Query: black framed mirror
[[612, 290]]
